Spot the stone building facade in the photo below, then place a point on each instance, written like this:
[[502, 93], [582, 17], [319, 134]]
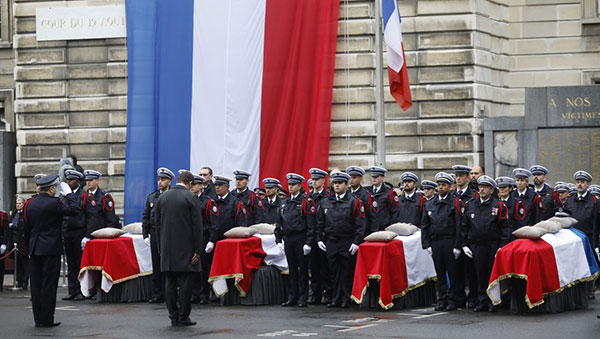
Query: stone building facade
[[467, 59]]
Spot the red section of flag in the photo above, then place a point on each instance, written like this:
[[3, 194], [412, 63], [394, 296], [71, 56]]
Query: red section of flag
[[116, 258], [399, 85], [297, 88]]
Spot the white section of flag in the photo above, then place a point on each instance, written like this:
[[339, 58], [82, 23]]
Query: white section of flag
[[227, 86], [392, 35], [419, 264], [569, 252]]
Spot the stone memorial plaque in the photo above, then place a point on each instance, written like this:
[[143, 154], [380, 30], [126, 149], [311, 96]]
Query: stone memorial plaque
[[564, 151], [573, 106]]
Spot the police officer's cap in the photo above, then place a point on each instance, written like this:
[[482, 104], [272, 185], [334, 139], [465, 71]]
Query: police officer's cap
[[505, 182], [444, 177], [461, 169], [317, 173], [270, 182], [562, 212], [521, 173], [282, 190], [572, 188], [221, 180], [582, 175], [260, 190], [309, 181], [73, 174], [38, 176], [241, 174], [47, 181], [377, 171], [559, 183], [340, 177], [294, 178], [594, 189], [198, 179], [409, 176], [91, 174], [538, 169], [164, 172], [486, 180], [428, 184], [355, 171], [561, 188]]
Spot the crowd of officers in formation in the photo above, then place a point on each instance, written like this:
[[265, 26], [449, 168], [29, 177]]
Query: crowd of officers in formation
[[464, 217]]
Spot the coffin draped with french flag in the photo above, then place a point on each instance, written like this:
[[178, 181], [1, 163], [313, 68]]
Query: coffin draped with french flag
[[227, 84], [549, 264]]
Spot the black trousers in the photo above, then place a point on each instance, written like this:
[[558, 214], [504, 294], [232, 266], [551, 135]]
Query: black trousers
[[22, 270], [158, 277], [342, 269], [201, 288], [483, 259], [298, 265], [465, 272], [443, 260], [44, 274], [2, 270], [320, 275], [72, 245], [178, 294]]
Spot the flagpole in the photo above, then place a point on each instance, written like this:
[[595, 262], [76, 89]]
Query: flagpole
[[379, 113]]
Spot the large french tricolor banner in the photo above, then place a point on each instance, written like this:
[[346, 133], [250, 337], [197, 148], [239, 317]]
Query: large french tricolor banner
[[227, 84], [549, 265], [397, 71]]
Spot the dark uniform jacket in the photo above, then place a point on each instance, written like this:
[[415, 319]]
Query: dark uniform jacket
[[76, 223], [467, 195], [17, 233], [254, 206], [296, 218], [485, 222], [441, 220], [271, 212], [43, 222], [179, 229], [547, 208], [210, 190], [526, 208], [384, 208], [411, 209], [510, 206], [232, 213], [209, 210], [366, 197], [147, 225], [99, 211], [585, 210], [341, 219]]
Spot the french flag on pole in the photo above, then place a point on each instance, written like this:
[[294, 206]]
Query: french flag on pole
[[227, 84], [392, 34]]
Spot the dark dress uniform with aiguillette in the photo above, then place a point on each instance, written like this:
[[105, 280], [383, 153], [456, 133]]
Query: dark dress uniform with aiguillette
[[320, 275], [340, 223], [99, 207], [545, 195], [384, 208], [271, 206], [410, 209], [253, 204], [43, 222], [232, 213]]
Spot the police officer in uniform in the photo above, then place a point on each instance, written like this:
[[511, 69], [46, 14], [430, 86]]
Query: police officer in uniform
[[429, 188], [254, 206], [484, 229], [99, 206], [439, 229], [296, 226], [340, 221], [385, 202], [527, 202], [584, 207], [74, 228], [165, 176], [261, 193], [544, 192], [562, 194], [209, 186], [463, 192], [320, 275], [505, 187], [272, 201], [356, 175], [43, 221], [411, 203], [232, 212]]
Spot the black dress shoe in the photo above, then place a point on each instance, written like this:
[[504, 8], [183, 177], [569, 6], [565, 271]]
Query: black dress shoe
[[186, 322], [480, 308], [332, 305], [471, 305], [312, 300], [302, 304], [493, 309], [325, 301], [195, 300], [288, 303], [440, 308], [79, 297], [48, 325], [203, 301], [451, 308], [157, 300], [345, 304], [69, 297]]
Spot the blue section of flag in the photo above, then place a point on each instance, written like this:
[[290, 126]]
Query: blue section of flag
[[159, 46], [589, 252], [387, 9]]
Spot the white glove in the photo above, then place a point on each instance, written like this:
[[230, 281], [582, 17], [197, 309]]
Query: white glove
[[2, 249], [209, 247], [83, 241], [322, 246], [306, 249], [598, 253], [456, 253], [64, 189], [428, 249], [353, 249], [468, 252], [147, 240]]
